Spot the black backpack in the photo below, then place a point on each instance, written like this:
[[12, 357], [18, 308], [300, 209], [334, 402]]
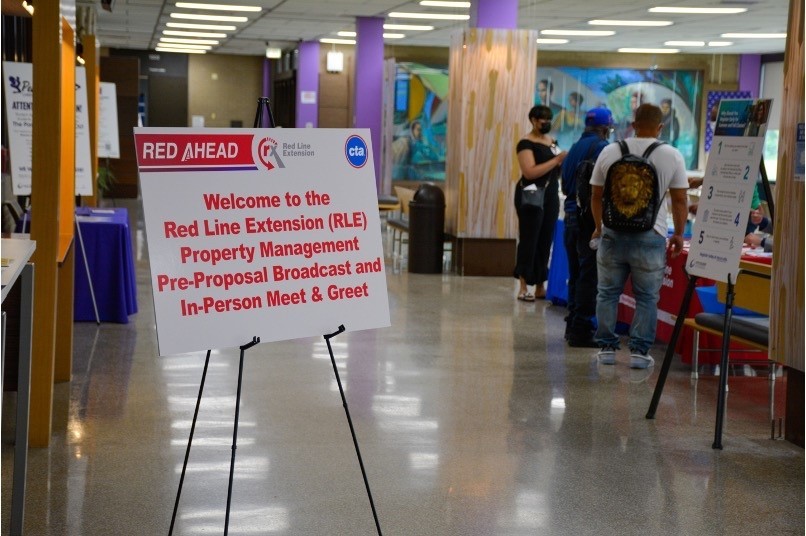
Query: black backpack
[[582, 179], [631, 199]]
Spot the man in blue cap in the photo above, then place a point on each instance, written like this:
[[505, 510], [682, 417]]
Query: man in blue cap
[[579, 226]]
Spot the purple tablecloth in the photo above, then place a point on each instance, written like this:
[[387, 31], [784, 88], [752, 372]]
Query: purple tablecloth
[[107, 240]]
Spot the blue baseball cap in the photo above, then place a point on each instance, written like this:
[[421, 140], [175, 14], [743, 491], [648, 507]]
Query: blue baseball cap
[[598, 117]]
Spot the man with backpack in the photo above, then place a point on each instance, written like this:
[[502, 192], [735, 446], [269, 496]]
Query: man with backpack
[[628, 201], [576, 174]]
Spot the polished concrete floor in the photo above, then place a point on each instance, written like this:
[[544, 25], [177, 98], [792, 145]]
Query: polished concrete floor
[[472, 415]]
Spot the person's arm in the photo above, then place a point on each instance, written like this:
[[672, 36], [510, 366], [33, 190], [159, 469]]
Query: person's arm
[[679, 214], [596, 209], [532, 170]]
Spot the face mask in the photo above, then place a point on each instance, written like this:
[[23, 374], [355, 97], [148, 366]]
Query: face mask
[[545, 128]]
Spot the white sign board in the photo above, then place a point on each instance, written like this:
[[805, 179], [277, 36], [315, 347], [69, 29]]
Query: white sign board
[[84, 179], [273, 233], [727, 190], [108, 143], [18, 90]]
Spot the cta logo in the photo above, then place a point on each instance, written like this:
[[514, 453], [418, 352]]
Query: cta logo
[[356, 151], [267, 154]]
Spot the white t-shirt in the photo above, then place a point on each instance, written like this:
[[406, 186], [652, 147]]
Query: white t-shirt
[[668, 162]]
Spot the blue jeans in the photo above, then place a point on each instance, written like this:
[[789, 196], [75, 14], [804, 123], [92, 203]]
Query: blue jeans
[[642, 255]]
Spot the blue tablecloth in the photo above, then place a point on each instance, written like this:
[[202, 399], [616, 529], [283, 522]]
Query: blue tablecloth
[[108, 244], [557, 285]]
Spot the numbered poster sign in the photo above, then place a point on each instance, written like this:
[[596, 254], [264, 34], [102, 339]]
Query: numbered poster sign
[[272, 233], [727, 191], [84, 179], [108, 142]]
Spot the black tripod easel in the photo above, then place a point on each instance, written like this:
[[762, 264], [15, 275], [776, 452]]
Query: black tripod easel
[[678, 326]]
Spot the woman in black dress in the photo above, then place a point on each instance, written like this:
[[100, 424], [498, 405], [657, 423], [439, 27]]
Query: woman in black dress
[[540, 160]]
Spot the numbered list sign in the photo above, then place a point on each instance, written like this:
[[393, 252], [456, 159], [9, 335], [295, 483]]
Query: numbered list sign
[[727, 191], [272, 233]]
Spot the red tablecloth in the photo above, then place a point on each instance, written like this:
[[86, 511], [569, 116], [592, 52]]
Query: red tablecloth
[[671, 296]]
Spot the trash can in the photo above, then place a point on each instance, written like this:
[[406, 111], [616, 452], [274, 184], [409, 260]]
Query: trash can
[[426, 230]]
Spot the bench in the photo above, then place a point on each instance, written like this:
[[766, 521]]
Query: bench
[[400, 223]]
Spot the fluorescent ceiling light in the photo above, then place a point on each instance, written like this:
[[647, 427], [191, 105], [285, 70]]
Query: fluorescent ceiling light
[[28, 7], [413, 27], [180, 50], [754, 35], [188, 41], [649, 50], [216, 7], [699, 10], [550, 41], [274, 53], [720, 43], [193, 34], [178, 45], [220, 18], [393, 36], [684, 43], [588, 33], [601, 22], [441, 3], [223, 28], [346, 34], [433, 16], [337, 41]]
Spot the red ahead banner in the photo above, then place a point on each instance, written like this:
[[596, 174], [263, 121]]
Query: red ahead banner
[[175, 152]]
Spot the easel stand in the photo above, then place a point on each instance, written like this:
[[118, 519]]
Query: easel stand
[[678, 326], [87, 268], [352, 430]]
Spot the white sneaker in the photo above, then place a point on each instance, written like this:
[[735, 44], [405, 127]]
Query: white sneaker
[[606, 356], [641, 361]]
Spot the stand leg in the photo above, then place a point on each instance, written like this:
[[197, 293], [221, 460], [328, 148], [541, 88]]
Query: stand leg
[[87, 268], [667, 360], [244, 348], [723, 377], [190, 441], [352, 430]]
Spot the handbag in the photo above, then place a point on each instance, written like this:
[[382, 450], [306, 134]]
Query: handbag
[[533, 196]]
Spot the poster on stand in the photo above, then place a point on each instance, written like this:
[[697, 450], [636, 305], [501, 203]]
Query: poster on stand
[[108, 142], [273, 233], [83, 157], [727, 190]]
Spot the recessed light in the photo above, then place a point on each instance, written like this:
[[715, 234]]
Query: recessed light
[[601, 22], [413, 27], [221, 18], [216, 7], [180, 50], [550, 41], [179, 33], [754, 35], [699, 10], [334, 41], [443, 3], [178, 45], [720, 43], [393, 36], [433, 16], [685, 43], [223, 28], [649, 50], [188, 41], [588, 33], [346, 34]]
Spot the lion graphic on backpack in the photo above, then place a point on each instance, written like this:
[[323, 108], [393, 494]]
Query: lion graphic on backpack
[[630, 201]]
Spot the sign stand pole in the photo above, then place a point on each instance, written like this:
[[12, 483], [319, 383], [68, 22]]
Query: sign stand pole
[[87, 268], [350, 422], [723, 367], [244, 348], [190, 441]]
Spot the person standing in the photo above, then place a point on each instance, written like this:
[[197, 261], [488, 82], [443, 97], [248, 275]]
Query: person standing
[[579, 226], [640, 254], [671, 126], [540, 160]]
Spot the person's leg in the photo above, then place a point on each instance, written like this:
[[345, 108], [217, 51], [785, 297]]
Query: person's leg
[[545, 238], [647, 263], [585, 303], [528, 221], [613, 271], [570, 235]]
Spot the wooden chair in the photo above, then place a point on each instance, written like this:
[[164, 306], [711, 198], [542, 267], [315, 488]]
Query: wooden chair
[[400, 223]]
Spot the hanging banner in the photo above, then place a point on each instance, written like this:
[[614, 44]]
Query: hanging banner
[[272, 233], [727, 190], [108, 142], [18, 92], [84, 177]]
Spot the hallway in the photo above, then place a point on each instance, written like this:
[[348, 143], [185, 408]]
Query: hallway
[[472, 415]]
